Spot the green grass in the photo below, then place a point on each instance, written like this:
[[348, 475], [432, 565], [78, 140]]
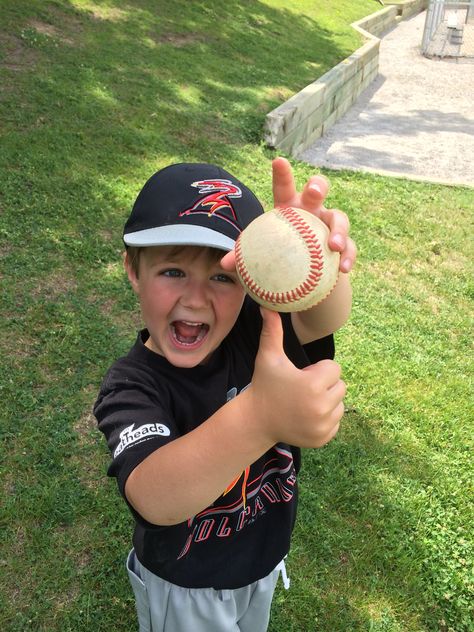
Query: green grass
[[94, 97]]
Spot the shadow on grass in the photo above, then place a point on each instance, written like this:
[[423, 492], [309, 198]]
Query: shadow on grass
[[95, 97], [149, 77], [104, 95]]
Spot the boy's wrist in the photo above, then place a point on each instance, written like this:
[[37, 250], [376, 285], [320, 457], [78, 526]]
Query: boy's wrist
[[253, 420]]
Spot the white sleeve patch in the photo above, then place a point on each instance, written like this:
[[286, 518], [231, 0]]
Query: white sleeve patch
[[130, 436]]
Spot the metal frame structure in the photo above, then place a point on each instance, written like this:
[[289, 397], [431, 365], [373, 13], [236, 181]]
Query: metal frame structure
[[446, 22]]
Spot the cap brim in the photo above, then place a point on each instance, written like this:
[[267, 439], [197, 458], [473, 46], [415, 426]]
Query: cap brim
[[182, 235]]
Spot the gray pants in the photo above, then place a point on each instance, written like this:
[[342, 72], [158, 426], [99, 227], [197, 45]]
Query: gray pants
[[165, 607]]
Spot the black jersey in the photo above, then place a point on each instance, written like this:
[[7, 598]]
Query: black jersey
[[145, 402]]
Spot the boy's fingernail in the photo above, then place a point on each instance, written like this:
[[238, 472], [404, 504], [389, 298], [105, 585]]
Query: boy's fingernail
[[346, 265], [316, 188], [338, 241]]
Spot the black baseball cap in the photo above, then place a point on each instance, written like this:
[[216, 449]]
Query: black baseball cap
[[193, 204]]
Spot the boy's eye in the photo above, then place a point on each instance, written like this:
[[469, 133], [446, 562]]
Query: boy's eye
[[223, 278], [172, 272]]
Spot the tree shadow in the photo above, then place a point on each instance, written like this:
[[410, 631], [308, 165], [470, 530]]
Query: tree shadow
[[95, 97], [145, 84]]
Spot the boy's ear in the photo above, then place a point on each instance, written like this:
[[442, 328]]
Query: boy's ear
[[129, 269]]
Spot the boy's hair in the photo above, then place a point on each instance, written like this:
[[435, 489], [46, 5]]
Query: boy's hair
[[133, 253]]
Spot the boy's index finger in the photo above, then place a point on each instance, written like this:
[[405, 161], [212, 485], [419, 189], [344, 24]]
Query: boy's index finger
[[284, 189]]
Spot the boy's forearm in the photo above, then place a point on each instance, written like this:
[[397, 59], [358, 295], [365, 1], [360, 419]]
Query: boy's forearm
[[326, 317], [188, 474]]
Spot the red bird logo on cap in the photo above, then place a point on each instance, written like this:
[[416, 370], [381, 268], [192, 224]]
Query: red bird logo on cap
[[217, 200]]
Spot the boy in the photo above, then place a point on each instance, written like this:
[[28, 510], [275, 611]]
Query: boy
[[206, 415]]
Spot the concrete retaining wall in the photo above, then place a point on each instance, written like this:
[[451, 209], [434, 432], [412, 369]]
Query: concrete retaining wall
[[377, 23], [305, 117]]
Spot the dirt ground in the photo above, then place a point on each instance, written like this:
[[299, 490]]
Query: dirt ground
[[416, 120]]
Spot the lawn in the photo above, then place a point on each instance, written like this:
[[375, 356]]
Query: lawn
[[94, 97]]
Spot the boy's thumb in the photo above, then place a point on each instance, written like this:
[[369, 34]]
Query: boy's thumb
[[271, 337]]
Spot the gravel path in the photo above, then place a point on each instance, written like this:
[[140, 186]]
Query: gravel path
[[415, 120]]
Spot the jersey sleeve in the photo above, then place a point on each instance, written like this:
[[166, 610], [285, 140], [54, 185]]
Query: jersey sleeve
[[134, 417], [322, 349]]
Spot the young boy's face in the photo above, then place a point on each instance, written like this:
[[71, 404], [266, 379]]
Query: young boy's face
[[188, 302]]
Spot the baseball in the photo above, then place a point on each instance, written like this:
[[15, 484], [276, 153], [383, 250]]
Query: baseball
[[284, 262]]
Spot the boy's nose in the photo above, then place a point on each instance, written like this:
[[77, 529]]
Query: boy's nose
[[195, 295]]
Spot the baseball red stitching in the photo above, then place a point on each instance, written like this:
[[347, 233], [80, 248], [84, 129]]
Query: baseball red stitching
[[315, 267]]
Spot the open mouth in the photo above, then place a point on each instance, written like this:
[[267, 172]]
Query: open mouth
[[187, 334]]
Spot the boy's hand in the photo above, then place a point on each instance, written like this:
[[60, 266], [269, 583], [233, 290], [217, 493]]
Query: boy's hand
[[294, 406], [311, 199]]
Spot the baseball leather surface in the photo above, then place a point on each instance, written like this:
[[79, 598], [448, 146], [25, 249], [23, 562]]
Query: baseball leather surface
[[283, 260]]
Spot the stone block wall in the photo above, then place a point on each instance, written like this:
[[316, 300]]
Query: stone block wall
[[377, 23]]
